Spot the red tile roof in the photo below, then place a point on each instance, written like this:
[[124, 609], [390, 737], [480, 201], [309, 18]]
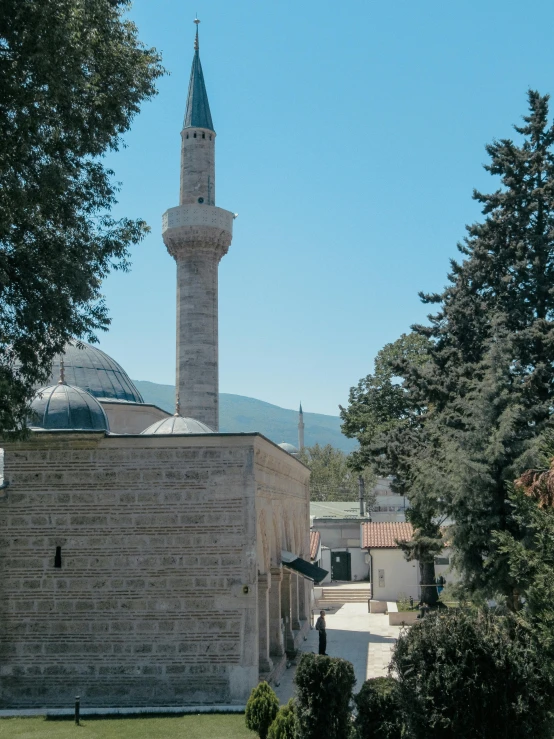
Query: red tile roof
[[383, 535], [315, 538]]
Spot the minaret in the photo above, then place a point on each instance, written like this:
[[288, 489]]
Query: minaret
[[197, 234], [300, 428]]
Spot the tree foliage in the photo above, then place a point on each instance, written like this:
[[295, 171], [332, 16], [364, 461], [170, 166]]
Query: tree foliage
[[72, 77], [261, 709], [285, 725], [332, 477], [324, 692], [378, 710], [472, 675], [474, 406]]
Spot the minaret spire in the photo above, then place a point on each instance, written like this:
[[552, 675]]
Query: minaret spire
[[197, 235], [300, 428]]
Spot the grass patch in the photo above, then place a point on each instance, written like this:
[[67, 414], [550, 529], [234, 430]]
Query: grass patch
[[204, 726]]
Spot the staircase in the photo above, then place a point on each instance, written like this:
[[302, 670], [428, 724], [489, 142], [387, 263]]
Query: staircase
[[339, 594]]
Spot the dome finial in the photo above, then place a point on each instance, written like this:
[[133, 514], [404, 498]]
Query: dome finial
[[196, 44], [177, 405], [61, 381]]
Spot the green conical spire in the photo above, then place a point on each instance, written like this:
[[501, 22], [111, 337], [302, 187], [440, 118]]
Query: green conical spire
[[197, 114]]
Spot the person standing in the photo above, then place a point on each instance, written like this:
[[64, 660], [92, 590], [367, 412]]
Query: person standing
[[320, 627]]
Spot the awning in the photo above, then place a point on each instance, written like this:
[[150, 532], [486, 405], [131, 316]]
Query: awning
[[307, 569]]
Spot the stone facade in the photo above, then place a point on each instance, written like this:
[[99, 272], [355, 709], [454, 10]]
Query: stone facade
[[146, 571]]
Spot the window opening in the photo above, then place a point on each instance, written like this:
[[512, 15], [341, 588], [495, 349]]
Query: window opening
[[58, 558]]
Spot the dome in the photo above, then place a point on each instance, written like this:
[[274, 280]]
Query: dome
[[178, 425], [66, 407], [92, 370], [288, 447]]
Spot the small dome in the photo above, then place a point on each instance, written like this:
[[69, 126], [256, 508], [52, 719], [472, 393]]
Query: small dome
[[63, 406], [178, 425], [288, 447]]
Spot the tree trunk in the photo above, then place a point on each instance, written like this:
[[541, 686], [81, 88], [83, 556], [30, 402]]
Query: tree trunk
[[429, 593]]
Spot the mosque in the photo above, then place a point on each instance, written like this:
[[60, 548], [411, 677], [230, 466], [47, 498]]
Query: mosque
[[146, 559]]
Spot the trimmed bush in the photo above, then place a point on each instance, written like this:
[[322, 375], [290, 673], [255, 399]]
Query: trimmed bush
[[261, 709], [474, 675], [285, 725], [378, 710], [324, 691]]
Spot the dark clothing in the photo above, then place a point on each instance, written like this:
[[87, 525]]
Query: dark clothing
[[322, 642], [320, 626]]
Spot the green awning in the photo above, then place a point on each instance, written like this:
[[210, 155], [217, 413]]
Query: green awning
[[307, 569]]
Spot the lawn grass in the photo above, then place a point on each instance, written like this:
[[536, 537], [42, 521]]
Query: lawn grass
[[218, 726]]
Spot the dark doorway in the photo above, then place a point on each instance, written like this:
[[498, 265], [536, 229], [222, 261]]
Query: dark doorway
[[340, 566]]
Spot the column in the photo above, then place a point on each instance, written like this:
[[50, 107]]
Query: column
[[295, 585], [264, 582], [286, 611], [304, 587], [276, 647]]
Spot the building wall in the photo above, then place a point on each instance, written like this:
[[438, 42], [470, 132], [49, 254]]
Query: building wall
[[400, 576], [338, 533], [158, 540], [132, 418]]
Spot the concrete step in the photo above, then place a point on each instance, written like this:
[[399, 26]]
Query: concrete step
[[344, 595]]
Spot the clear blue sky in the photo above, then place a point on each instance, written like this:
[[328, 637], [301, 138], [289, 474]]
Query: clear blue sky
[[350, 137]]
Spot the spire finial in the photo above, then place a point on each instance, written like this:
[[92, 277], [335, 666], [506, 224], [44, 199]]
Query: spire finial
[[61, 381], [177, 405], [196, 44]]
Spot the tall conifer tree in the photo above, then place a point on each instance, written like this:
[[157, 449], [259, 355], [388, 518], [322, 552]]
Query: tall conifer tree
[[485, 392]]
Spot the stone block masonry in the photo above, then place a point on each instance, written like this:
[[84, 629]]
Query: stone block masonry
[[155, 601]]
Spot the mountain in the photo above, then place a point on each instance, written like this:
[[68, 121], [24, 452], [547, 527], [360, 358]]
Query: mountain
[[239, 413]]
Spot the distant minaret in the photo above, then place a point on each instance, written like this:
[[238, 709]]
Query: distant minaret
[[197, 234], [300, 428]]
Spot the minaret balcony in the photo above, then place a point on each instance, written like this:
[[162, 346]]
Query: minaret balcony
[[197, 215], [203, 227]]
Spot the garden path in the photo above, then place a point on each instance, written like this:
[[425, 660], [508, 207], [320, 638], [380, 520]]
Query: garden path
[[363, 638]]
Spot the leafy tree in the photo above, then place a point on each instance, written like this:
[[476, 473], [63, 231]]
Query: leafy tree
[[261, 709], [380, 405], [478, 403], [332, 477], [378, 710], [473, 675], [324, 692], [530, 555], [380, 412], [72, 77], [285, 725]]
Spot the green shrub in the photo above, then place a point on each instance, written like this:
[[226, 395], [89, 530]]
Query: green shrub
[[261, 709], [324, 691], [285, 725], [378, 710], [472, 674]]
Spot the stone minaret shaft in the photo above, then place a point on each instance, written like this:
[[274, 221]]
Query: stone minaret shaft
[[300, 428], [197, 234]]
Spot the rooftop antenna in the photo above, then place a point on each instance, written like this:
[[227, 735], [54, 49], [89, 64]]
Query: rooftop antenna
[[61, 381]]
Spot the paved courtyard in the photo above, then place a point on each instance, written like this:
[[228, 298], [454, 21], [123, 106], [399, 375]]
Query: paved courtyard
[[363, 638]]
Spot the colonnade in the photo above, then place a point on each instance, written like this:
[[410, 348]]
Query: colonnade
[[283, 609]]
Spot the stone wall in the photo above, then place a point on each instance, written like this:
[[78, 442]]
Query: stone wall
[[155, 602]]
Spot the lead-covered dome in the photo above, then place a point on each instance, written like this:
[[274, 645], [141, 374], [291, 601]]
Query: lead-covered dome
[[178, 425], [65, 407], [288, 448], [91, 369]]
